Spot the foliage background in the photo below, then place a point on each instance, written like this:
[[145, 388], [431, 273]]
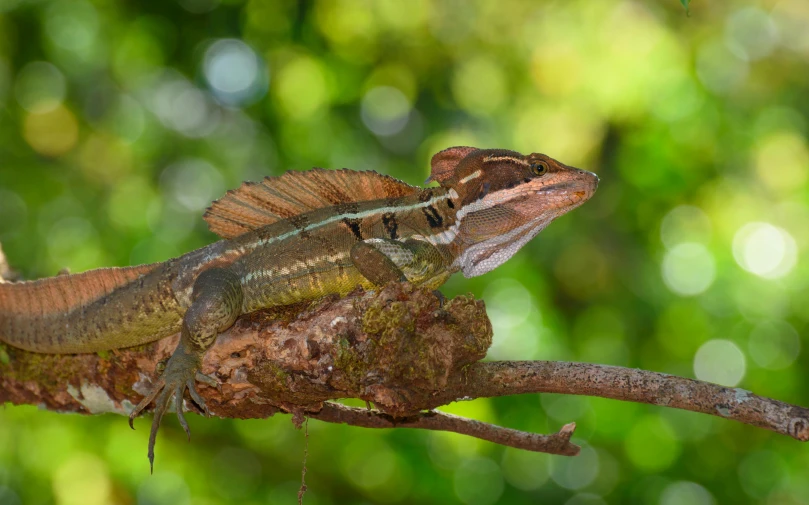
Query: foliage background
[[120, 121]]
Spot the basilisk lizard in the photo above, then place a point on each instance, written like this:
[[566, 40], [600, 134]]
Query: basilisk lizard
[[291, 238]]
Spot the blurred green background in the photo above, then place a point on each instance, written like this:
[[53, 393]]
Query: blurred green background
[[121, 120]]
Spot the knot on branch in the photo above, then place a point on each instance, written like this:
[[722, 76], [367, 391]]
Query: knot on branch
[[395, 347]]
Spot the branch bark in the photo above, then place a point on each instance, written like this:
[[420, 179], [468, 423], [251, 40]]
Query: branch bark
[[397, 348]]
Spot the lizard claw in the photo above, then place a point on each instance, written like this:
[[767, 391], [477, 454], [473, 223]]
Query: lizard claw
[[192, 390], [158, 386], [180, 374]]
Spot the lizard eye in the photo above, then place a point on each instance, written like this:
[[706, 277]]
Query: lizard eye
[[539, 168]]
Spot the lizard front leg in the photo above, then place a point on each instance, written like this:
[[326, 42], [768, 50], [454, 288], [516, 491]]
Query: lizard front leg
[[217, 302], [385, 260]]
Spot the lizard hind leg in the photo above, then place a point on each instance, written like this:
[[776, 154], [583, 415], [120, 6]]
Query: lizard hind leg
[[217, 302]]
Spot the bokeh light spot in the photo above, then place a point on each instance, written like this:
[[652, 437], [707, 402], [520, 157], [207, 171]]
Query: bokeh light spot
[[131, 193], [685, 223], [385, 110], [525, 470], [765, 250], [510, 303], [73, 242], [351, 26], [51, 133], [688, 269], [126, 119], [791, 17], [570, 134], [139, 54], [719, 69], [479, 85], [586, 499], [652, 444], [164, 488], [193, 182], [679, 97], [39, 87], [760, 472], [686, 493], [774, 345], [234, 72], [105, 158], [578, 472], [235, 473], [478, 481], [301, 87], [373, 466], [564, 407], [751, 32], [13, 213], [7, 495], [72, 25], [782, 161], [82, 480], [514, 319], [721, 362], [182, 107]]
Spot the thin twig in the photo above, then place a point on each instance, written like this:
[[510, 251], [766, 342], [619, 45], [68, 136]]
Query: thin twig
[[505, 378], [558, 443], [302, 490]]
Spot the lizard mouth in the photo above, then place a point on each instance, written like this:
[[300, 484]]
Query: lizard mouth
[[579, 189]]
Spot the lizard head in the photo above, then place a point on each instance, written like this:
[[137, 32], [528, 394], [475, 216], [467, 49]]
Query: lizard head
[[506, 198]]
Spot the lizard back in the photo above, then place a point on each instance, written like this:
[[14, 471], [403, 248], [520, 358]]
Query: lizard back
[[309, 255]]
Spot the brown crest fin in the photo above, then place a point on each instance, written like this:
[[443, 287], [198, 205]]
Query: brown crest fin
[[257, 204]]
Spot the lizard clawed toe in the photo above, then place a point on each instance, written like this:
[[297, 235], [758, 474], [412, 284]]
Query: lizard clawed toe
[[161, 406], [180, 374], [148, 399], [207, 379]]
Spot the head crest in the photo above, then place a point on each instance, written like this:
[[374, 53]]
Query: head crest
[[444, 163]]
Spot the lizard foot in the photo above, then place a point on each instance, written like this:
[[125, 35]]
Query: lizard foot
[[181, 373]]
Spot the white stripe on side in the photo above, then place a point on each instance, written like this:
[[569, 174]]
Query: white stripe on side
[[473, 175]]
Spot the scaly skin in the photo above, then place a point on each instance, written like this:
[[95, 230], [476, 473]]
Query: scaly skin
[[489, 204]]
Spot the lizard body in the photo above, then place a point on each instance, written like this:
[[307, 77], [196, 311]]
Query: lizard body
[[297, 237]]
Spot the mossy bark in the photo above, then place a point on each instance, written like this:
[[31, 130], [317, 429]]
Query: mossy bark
[[396, 347]]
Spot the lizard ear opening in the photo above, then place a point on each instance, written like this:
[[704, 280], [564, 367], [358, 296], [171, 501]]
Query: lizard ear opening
[[444, 163]]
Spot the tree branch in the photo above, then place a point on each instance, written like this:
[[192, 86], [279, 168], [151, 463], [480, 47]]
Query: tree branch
[[484, 380], [558, 443], [396, 348]]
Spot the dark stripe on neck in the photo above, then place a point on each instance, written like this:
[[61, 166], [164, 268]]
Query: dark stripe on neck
[[434, 219], [354, 226], [390, 224]]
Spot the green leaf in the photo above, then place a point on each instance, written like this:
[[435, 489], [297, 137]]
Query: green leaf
[[685, 4]]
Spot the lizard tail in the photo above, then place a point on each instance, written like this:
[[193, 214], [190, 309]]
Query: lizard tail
[[81, 312]]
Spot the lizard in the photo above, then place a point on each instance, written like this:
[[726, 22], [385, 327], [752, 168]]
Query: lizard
[[295, 237]]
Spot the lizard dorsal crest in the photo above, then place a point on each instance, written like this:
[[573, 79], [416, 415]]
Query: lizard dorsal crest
[[257, 204]]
